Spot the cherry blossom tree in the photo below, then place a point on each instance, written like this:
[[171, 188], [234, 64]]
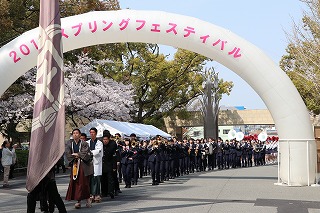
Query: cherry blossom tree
[[90, 95], [16, 105]]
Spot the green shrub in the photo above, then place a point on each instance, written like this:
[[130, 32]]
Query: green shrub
[[22, 157]]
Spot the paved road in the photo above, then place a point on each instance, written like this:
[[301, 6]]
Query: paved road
[[235, 190]]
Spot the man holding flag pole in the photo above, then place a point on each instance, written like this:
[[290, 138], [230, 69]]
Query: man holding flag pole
[[48, 125]]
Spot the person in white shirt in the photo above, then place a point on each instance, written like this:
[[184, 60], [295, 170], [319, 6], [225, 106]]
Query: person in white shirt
[[96, 148], [6, 160]]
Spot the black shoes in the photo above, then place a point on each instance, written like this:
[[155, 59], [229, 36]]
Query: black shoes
[[111, 195], [6, 186]]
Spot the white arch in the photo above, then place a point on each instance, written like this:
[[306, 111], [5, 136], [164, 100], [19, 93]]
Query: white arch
[[259, 71]]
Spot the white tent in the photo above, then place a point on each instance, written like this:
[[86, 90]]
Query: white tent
[[142, 131]]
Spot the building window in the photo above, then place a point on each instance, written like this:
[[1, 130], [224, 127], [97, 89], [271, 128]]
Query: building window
[[226, 131], [196, 133]]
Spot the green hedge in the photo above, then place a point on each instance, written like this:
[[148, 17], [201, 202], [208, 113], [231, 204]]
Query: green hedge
[[22, 157]]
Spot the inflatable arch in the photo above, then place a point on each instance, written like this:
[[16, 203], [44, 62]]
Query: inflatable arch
[[297, 148]]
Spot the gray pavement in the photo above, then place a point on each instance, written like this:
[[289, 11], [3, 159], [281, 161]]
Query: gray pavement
[[235, 190]]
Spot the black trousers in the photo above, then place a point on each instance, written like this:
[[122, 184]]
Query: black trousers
[[181, 166], [244, 161], [227, 161], [210, 162], [204, 162], [234, 160], [214, 160], [238, 160], [120, 172], [141, 167], [126, 173], [176, 166], [256, 158], [145, 166], [197, 162], [250, 160], [167, 168], [46, 189], [263, 158], [187, 164], [107, 182], [155, 173], [191, 165], [115, 180], [172, 168], [162, 170], [220, 160], [135, 171]]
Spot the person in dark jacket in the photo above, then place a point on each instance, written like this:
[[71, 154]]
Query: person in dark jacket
[[137, 152], [145, 155], [126, 163], [220, 147], [116, 166], [250, 152], [154, 162], [233, 154], [244, 157], [226, 150], [108, 165], [238, 153]]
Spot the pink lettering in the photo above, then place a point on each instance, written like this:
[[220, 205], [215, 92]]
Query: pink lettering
[[189, 30], [94, 27], [204, 38], [13, 54], [172, 29], [222, 44], [217, 42], [24, 49], [155, 28], [235, 52], [34, 43], [108, 26], [63, 34], [143, 22], [79, 26], [124, 23]]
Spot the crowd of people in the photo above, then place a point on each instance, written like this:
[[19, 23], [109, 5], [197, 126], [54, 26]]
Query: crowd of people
[[99, 165]]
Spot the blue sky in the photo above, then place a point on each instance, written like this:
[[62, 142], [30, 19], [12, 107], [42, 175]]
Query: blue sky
[[262, 22]]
